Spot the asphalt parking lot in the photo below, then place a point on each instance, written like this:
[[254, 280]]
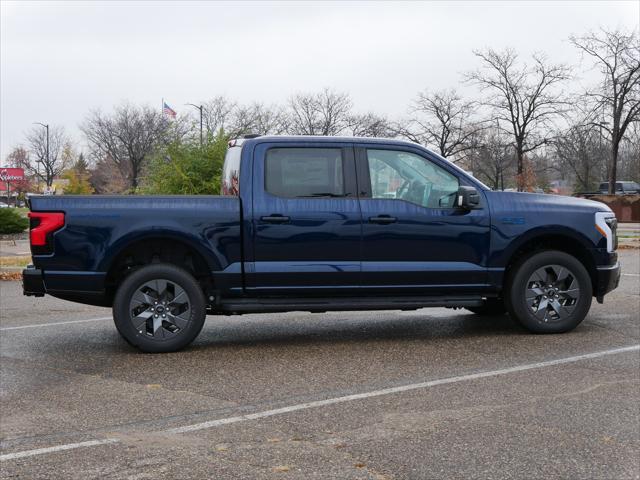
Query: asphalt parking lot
[[382, 395]]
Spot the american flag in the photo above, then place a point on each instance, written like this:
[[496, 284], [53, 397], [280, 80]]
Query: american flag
[[167, 110]]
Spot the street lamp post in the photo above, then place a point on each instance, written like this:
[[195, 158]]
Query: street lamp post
[[46, 166], [199, 107]]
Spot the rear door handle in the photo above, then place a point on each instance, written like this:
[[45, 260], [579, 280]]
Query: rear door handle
[[275, 218], [383, 219]]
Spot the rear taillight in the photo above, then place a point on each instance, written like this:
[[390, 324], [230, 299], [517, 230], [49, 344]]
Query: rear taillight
[[42, 225]]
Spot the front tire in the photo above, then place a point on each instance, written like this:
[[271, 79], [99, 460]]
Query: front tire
[[159, 308], [549, 292]]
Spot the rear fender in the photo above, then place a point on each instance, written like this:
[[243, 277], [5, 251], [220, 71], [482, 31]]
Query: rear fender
[[213, 258]]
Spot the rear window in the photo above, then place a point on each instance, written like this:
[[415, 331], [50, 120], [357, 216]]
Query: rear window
[[231, 172], [304, 172]]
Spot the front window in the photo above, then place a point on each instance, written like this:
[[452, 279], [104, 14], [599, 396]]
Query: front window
[[406, 176], [304, 172]]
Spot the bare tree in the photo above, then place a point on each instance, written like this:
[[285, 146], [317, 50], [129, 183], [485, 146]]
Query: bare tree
[[629, 156], [105, 178], [256, 118], [524, 99], [579, 150], [370, 125], [323, 113], [617, 54], [269, 120], [443, 119], [19, 158], [491, 158], [126, 138], [216, 114], [47, 160]]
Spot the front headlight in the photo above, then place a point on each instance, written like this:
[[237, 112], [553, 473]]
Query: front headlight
[[607, 225]]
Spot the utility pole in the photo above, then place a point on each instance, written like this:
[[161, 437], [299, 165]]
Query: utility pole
[[199, 107], [46, 165]]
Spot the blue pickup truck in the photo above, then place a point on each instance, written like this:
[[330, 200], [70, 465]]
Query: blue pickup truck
[[318, 224]]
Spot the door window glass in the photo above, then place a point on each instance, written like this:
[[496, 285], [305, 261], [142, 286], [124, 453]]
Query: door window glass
[[304, 172], [406, 176]]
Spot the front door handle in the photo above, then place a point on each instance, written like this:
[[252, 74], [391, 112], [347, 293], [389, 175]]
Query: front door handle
[[275, 218], [383, 219]]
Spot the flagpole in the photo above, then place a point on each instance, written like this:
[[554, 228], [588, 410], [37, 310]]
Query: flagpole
[[162, 107]]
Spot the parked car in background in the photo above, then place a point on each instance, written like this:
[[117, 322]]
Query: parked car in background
[[318, 224], [622, 188]]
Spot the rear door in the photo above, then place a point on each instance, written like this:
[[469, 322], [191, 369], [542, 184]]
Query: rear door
[[306, 220], [414, 238]]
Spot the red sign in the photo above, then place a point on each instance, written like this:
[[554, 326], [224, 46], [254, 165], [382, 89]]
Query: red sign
[[11, 174]]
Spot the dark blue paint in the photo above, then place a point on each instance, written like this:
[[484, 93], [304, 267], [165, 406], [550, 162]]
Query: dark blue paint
[[98, 228], [328, 246], [318, 248]]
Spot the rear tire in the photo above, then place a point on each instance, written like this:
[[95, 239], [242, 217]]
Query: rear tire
[[549, 292], [159, 308], [490, 307]]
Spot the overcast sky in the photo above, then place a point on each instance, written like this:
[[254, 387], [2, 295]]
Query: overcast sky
[[60, 59]]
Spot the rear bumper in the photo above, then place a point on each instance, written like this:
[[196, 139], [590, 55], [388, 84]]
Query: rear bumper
[[38, 282], [607, 279], [82, 287], [33, 282]]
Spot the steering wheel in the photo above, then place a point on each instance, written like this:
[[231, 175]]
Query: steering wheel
[[402, 189], [427, 194]]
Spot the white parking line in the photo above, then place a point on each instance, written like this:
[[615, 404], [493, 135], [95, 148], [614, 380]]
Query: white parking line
[[631, 274], [335, 400], [53, 324], [57, 448]]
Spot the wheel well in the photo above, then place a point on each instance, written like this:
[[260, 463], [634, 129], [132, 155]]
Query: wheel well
[[561, 243], [157, 250]]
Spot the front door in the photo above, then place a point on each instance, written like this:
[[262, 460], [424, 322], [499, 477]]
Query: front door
[[415, 240], [306, 220]]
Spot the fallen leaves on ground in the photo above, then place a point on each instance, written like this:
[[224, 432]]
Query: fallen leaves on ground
[[15, 261], [280, 468], [11, 276]]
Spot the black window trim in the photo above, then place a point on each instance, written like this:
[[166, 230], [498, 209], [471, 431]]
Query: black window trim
[[348, 170]]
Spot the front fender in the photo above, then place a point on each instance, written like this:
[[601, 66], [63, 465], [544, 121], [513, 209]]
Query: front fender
[[507, 241]]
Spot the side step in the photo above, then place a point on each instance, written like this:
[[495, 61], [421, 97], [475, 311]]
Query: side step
[[267, 305]]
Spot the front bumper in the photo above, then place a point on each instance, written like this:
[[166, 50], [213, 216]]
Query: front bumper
[[607, 279], [33, 282]]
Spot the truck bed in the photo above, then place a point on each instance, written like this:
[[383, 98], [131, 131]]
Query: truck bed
[[98, 227]]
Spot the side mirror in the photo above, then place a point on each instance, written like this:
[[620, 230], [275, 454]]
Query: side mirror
[[468, 198]]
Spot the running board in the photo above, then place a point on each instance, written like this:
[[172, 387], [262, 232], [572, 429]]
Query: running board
[[267, 305]]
